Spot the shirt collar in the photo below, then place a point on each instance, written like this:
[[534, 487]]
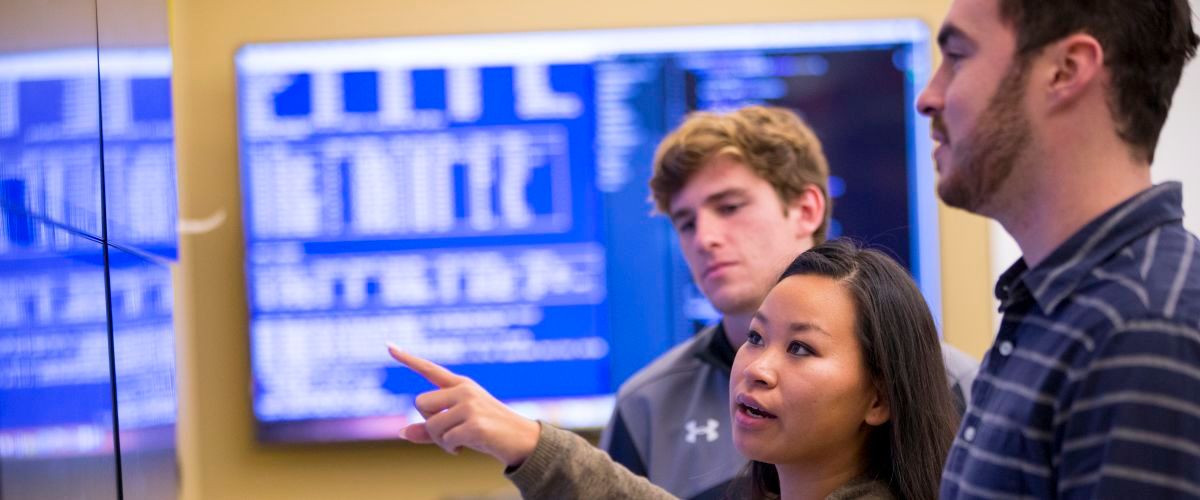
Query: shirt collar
[[1057, 277], [716, 350]]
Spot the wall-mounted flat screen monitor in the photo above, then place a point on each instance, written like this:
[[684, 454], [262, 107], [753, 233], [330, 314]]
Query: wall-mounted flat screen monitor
[[481, 200]]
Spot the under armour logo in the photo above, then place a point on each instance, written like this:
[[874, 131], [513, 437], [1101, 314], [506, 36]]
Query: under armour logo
[[709, 431]]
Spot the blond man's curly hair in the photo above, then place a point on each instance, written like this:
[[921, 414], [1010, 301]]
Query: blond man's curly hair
[[772, 142]]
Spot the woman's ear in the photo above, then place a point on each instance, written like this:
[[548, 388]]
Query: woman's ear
[[807, 211], [879, 412]]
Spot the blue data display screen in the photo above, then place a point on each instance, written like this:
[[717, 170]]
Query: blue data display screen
[[60, 298], [488, 209], [55, 385], [51, 114]]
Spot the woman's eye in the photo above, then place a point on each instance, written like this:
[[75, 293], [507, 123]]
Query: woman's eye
[[799, 349], [754, 338]]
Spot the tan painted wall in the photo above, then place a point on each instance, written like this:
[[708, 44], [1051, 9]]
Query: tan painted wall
[[220, 459]]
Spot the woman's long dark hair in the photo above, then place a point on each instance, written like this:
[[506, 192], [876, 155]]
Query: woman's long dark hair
[[903, 356]]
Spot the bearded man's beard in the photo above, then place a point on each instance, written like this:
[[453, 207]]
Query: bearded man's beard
[[985, 159]]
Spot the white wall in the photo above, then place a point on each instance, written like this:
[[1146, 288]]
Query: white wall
[[1177, 159], [1178, 156]]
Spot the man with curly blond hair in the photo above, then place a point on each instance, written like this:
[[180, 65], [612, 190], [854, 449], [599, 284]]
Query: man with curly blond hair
[[746, 192]]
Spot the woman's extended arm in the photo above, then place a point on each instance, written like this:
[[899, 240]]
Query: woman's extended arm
[[543, 461]]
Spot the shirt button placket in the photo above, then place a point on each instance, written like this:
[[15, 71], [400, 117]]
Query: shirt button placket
[[1005, 348]]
